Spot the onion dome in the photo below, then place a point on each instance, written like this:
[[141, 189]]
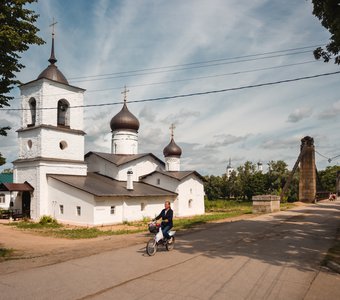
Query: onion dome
[[52, 72], [124, 120], [172, 149]]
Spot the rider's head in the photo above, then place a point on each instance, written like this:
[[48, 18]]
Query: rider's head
[[167, 204]]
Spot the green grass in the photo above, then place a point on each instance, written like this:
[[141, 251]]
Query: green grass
[[215, 210], [5, 253]]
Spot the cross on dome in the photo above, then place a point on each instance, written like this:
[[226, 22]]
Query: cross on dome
[[125, 93], [52, 25], [172, 129]]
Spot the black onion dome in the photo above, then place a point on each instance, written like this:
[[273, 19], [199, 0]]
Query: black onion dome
[[52, 72], [124, 120], [172, 149]]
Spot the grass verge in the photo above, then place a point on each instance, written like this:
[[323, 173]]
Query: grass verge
[[5, 253], [216, 210]]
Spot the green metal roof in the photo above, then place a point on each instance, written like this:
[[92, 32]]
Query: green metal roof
[[6, 177]]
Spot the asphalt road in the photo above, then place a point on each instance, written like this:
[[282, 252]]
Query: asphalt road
[[274, 256]]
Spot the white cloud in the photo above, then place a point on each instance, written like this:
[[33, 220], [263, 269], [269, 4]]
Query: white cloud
[[111, 37], [300, 114], [330, 113]]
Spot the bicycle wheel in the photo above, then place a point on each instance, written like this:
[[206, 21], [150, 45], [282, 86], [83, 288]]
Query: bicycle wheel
[[151, 247], [171, 245]]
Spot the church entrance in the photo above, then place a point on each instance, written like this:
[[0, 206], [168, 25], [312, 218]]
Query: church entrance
[[26, 204]]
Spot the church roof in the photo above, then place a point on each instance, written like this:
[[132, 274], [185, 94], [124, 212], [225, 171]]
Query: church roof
[[52, 72], [17, 187], [103, 186], [172, 149], [121, 159], [6, 177], [124, 120], [178, 175]]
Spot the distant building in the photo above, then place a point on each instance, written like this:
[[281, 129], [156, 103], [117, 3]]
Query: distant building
[[230, 169], [260, 166]]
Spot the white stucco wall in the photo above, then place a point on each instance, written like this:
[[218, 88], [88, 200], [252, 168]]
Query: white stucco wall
[[139, 167], [35, 174], [124, 142], [45, 142], [190, 188], [7, 198], [70, 198]]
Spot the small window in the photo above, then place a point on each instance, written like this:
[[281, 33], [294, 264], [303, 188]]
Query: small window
[[2, 198], [78, 211], [62, 145], [33, 109], [190, 191], [63, 114], [29, 144], [190, 203], [113, 210], [61, 209], [158, 181], [142, 206]]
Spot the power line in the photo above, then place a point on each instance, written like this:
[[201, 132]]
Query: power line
[[199, 62], [186, 68], [188, 95], [193, 78], [329, 159]]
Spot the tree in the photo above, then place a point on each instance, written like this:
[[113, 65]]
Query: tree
[[328, 178], [2, 160], [17, 32], [328, 12]]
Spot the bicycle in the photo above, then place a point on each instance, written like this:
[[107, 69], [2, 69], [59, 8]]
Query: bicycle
[[158, 239]]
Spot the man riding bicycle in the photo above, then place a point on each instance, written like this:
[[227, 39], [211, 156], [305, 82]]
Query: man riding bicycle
[[166, 215]]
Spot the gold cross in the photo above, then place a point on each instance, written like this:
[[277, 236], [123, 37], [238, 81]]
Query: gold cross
[[52, 25], [172, 128], [125, 93]]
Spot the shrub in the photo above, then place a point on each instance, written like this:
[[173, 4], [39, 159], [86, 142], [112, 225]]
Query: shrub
[[47, 220]]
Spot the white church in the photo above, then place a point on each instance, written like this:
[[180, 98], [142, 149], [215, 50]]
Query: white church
[[53, 176]]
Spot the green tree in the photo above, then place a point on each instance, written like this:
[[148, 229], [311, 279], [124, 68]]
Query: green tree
[[328, 178], [2, 160], [328, 12], [245, 176], [213, 187], [276, 176], [17, 32]]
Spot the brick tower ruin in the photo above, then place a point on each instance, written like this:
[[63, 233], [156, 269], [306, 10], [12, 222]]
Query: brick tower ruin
[[307, 182]]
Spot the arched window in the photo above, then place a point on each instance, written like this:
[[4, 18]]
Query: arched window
[[63, 115], [33, 110]]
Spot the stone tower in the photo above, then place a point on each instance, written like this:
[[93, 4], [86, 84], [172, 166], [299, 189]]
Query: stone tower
[[307, 182], [51, 137]]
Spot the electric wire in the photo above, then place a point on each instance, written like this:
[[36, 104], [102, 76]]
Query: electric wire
[[187, 95], [199, 62]]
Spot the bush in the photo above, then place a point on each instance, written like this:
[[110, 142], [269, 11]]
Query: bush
[[47, 220]]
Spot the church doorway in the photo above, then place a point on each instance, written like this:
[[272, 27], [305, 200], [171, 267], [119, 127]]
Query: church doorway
[[26, 204]]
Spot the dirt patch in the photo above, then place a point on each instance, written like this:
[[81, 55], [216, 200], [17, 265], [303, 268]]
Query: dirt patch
[[32, 250]]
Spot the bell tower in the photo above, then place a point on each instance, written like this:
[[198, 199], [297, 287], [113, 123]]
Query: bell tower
[[51, 137]]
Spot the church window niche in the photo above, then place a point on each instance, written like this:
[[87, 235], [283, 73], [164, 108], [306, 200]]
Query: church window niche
[[62, 145], [33, 112], [29, 144], [190, 203], [63, 115]]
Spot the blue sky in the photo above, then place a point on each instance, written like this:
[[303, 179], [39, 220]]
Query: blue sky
[[266, 123]]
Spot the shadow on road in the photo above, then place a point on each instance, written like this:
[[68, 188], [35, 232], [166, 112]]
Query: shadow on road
[[299, 238]]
